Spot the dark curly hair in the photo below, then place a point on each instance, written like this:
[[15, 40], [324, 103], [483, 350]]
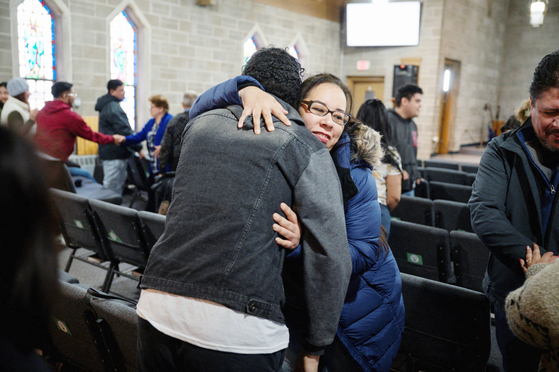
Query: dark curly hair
[[546, 76], [279, 73]]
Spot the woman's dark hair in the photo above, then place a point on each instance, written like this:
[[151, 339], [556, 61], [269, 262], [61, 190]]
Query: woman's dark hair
[[278, 72], [313, 81], [373, 114], [22, 97], [28, 272], [546, 76]]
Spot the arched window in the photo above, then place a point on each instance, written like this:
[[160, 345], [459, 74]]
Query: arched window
[[123, 61], [253, 41], [36, 49], [299, 50]]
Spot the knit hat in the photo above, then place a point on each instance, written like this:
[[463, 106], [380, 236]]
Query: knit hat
[[16, 86]]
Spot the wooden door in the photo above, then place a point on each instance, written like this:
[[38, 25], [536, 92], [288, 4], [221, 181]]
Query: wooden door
[[364, 88], [449, 95]]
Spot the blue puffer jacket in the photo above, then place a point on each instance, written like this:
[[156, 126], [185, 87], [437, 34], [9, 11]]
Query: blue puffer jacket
[[372, 319]]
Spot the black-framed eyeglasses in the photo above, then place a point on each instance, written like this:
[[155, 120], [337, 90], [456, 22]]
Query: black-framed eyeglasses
[[320, 109]]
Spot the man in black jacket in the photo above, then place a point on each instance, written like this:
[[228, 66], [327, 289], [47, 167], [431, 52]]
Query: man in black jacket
[[113, 120], [513, 204], [404, 133]]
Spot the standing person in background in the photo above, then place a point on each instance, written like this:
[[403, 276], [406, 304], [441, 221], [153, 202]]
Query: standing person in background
[[4, 95], [28, 269], [113, 120], [388, 174], [169, 151], [514, 204], [404, 133], [152, 133], [170, 148], [58, 127], [16, 113]]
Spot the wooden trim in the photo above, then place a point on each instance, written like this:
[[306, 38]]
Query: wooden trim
[[326, 9]]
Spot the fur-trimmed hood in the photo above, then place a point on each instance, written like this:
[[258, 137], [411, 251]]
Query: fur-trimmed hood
[[365, 144]]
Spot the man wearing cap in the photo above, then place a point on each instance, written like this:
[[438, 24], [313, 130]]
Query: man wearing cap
[[58, 126], [16, 113]]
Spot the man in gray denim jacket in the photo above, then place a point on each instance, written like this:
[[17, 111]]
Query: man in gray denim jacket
[[218, 260]]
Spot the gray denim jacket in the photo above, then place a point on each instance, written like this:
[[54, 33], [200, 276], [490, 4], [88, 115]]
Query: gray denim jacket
[[219, 244]]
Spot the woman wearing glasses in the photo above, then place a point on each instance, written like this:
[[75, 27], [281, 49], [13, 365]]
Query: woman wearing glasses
[[372, 320]]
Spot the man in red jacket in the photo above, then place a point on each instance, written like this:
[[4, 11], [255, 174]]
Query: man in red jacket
[[58, 126]]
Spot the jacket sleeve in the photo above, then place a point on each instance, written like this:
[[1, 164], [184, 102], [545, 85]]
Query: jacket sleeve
[[141, 135], [167, 144], [363, 221], [80, 128], [488, 210], [325, 253], [532, 309], [222, 95], [118, 119]]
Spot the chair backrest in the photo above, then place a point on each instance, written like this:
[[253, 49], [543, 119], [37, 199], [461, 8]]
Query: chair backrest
[[441, 164], [422, 189], [449, 191], [137, 173], [153, 225], [471, 178], [57, 174], [469, 168], [76, 221], [69, 332], [470, 257], [421, 250], [118, 324], [446, 326], [121, 233], [416, 210], [451, 215], [446, 175]]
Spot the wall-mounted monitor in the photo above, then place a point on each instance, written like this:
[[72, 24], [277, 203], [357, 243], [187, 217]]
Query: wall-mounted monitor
[[389, 24]]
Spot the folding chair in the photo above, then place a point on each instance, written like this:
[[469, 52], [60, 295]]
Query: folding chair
[[75, 218], [469, 168], [153, 225], [441, 164], [470, 257], [421, 250], [416, 210], [120, 230], [70, 338], [117, 327], [449, 191], [137, 176], [422, 189], [451, 215], [446, 175], [447, 327]]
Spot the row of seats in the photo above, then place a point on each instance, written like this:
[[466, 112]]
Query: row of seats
[[468, 168], [445, 214], [456, 257], [97, 333], [112, 234]]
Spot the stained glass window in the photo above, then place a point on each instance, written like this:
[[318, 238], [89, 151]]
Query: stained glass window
[[249, 48], [36, 48], [123, 61]]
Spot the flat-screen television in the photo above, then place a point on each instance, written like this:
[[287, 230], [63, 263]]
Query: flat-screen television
[[389, 24]]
